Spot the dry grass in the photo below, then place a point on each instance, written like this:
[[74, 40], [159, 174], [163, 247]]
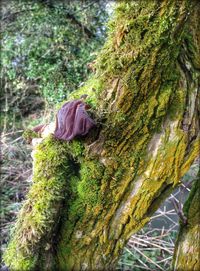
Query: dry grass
[[16, 167]]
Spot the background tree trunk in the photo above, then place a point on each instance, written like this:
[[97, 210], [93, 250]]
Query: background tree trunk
[[145, 95], [187, 255]]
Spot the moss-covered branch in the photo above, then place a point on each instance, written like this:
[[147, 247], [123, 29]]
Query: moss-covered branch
[[39, 217], [186, 256], [145, 95]]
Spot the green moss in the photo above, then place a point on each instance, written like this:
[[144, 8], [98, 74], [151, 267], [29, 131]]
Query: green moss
[[76, 148], [177, 102], [19, 260], [195, 192], [89, 186], [36, 220], [86, 196], [92, 87], [29, 134]]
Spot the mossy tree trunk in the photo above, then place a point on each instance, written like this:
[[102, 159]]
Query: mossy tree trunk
[[145, 95], [187, 254]]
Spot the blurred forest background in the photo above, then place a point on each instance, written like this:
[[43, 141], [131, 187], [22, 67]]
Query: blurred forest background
[[47, 50]]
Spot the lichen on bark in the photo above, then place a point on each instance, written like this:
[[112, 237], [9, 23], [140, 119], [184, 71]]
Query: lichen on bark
[[145, 96]]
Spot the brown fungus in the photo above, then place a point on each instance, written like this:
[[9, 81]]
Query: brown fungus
[[73, 120]]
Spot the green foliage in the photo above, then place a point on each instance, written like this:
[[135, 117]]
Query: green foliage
[[46, 48], [91, 87]]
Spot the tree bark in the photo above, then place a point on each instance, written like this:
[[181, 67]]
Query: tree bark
[[187, 254], [145, 97]]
